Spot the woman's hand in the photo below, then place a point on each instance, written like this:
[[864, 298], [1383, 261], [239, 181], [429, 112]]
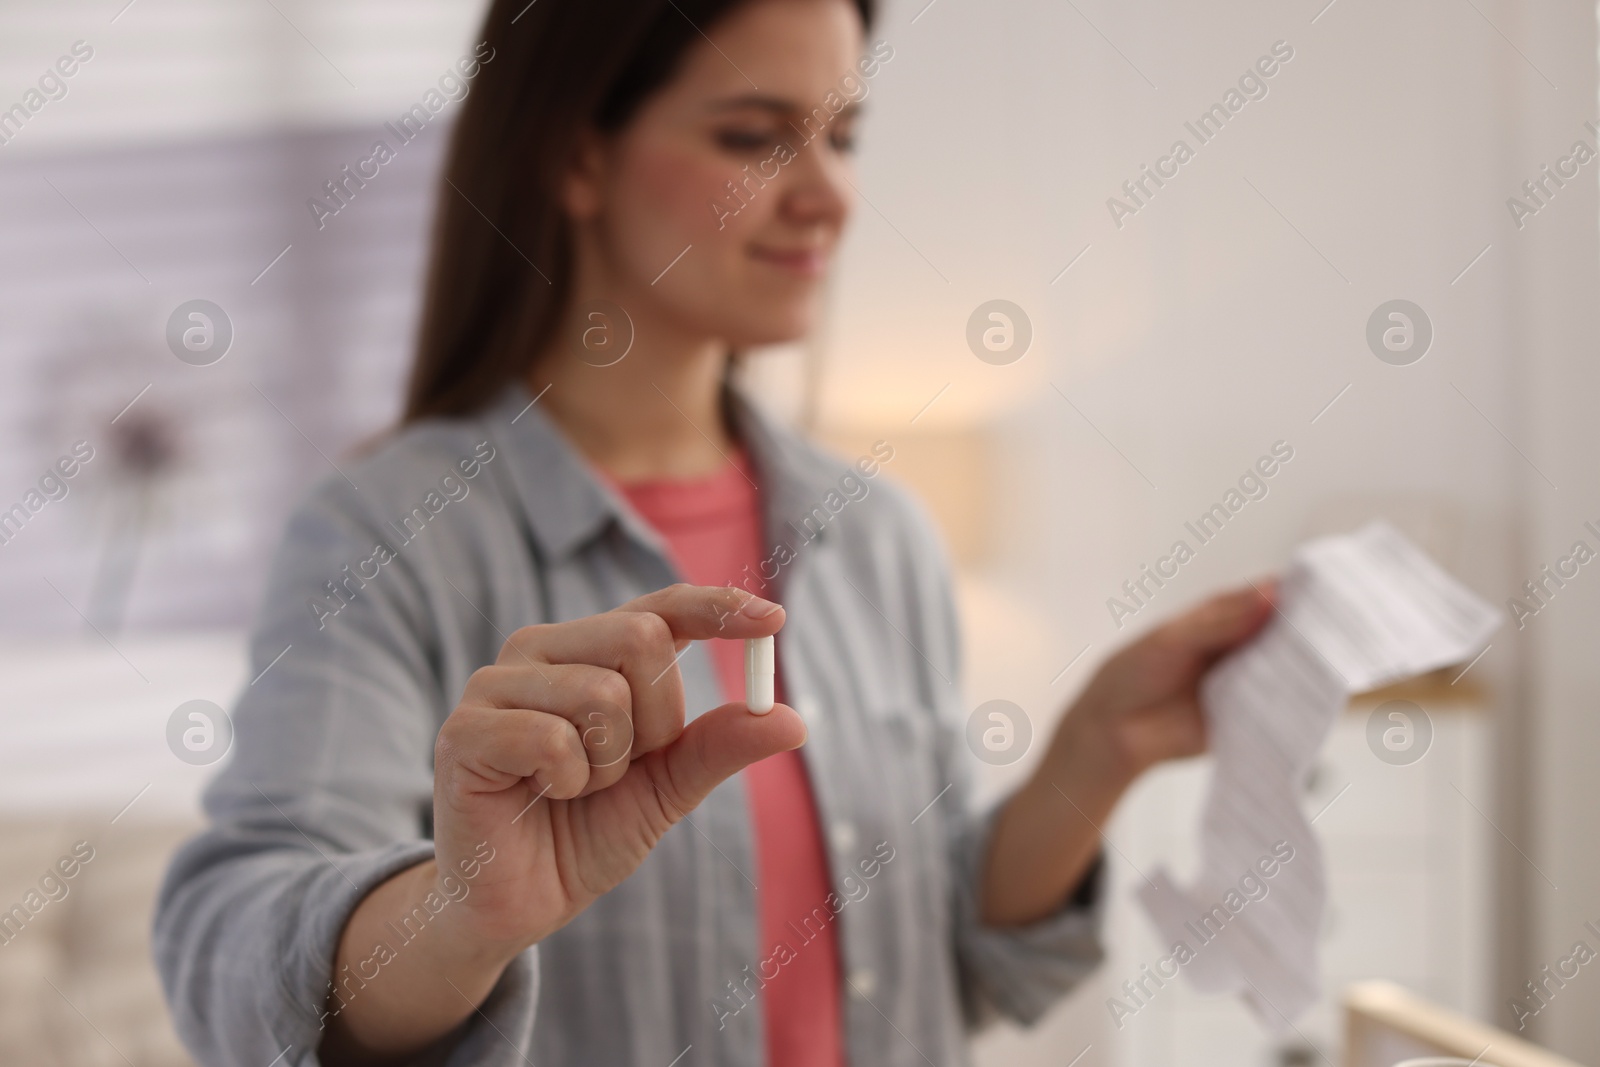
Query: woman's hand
[[570, 756], [1141, 707], [564, 763]]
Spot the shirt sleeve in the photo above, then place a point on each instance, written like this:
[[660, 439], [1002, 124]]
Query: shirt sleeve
[[1012, 972], [326, 794], [1020, 972]]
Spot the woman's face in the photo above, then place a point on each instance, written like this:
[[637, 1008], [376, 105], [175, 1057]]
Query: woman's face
[[717, 208]]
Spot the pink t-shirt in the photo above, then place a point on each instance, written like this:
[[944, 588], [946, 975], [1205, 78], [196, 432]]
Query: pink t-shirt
[[713, 528]]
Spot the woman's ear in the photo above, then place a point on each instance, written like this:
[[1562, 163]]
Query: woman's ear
[[583, 183]]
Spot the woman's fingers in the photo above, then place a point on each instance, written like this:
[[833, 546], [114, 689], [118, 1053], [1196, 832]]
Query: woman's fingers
[[596, 701], [641, 641], [487, 749], [689, 613], [698, 612], [636, 646], [1224, 621]]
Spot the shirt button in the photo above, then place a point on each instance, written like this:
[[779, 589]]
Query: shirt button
[[863, 982], [843, 836]]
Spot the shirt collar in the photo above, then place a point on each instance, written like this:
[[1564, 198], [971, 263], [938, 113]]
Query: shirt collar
[[567, 505]]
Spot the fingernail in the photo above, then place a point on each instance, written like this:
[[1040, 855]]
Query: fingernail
[[756, 608]]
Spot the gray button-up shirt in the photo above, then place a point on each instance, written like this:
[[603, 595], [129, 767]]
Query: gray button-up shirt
[[391, 587]]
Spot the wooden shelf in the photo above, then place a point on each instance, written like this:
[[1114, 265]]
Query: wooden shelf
[[1432, 691]]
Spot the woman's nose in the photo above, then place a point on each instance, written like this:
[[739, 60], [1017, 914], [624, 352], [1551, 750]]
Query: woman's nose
[[819, 189]]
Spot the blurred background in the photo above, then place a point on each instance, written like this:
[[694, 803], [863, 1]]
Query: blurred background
[[1156, 351]]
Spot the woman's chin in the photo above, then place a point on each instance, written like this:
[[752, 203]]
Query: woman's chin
[[765, 334], [773, 322]]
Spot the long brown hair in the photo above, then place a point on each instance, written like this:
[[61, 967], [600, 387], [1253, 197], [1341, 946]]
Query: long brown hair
[[500, 270]]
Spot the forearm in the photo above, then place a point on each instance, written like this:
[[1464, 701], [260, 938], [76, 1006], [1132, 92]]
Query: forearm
[[399, 986], [1046, 836]]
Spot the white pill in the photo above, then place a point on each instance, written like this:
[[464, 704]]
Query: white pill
[[760, 667]]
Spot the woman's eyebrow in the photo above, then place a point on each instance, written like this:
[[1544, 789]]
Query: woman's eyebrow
[[764, 101], [778, 105]]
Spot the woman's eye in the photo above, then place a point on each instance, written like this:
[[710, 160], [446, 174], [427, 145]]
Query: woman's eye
[[745, 140], [843, 141]]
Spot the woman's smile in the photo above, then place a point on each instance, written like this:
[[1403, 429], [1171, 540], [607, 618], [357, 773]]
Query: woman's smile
[[806, 261]]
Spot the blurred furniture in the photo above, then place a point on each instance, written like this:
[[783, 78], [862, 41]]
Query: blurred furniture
[[77, 988], [1385, 1023], [85, 759]]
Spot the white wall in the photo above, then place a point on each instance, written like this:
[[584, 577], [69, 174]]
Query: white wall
[[1228, 312], [1552, 371]]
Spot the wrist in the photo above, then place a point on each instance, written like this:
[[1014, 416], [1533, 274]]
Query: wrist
[[1044, 838], [460, 946], [1088, 755], [402, 938]]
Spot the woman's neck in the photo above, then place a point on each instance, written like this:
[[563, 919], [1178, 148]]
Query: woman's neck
[[655, 414]]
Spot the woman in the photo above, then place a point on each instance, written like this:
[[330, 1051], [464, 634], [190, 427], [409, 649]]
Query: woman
[[447, 833]]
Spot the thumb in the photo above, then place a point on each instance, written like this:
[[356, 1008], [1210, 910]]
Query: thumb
[[719, 744]]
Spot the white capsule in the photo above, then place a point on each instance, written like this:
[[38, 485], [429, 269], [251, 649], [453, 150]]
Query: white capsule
[[760, 667]]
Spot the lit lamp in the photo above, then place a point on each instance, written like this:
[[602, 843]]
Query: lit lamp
[[948, 468]]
